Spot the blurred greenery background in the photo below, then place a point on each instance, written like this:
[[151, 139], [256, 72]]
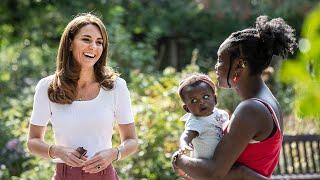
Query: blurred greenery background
[[153, 44]]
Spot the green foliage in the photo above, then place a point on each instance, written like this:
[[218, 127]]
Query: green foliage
[[158, 109], [304, 71], [29, 36]]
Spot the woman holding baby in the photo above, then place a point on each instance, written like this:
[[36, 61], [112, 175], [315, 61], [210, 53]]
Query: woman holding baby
[[251, 144]]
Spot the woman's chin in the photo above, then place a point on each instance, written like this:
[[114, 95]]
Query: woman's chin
[[87, 64]]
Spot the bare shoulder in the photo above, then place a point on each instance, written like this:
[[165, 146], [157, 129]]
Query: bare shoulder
[[251, 115], [251, 110]]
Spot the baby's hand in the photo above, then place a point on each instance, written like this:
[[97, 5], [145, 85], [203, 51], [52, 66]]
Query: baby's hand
[[186, 146]]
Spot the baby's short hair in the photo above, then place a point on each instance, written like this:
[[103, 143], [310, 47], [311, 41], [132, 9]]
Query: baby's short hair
[[192, 79]]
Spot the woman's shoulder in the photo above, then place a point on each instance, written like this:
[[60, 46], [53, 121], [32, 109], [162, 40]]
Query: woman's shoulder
[[45, 82], [120, 83], [252, 109], [250, 104]]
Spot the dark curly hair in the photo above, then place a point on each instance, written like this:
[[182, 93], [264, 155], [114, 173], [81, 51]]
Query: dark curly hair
[[258, 45]]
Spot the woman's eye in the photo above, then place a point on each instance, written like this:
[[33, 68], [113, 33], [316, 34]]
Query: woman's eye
[[206, 97], [99, 43], [194, 100], [85, 39]]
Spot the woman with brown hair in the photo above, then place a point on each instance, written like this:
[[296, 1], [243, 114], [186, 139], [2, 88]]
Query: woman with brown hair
[[82, 100], [252, 142]]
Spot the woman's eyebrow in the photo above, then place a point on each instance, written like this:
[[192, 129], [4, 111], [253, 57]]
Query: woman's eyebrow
[[86, 35]]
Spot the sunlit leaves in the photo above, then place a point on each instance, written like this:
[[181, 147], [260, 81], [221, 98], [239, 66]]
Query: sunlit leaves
[[304, 71]]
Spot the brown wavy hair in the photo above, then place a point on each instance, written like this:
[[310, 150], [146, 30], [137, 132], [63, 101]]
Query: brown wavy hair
[[63, 88]]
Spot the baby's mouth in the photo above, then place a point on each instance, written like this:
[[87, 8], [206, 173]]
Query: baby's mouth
[[203, 108]]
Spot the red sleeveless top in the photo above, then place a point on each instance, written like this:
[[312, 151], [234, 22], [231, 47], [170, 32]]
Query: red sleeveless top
[[263, 156]]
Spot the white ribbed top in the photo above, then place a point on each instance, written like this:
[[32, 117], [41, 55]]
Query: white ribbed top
[[83, 123]]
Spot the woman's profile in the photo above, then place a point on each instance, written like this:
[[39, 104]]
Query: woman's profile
[[252, 142]]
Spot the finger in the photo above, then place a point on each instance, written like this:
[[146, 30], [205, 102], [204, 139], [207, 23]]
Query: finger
[[189, 148], [92, 160], [84, 158], [182, 149], [96, 170], [71, 163], [102, 165], [76, 154], [75, 159], [93, 165]]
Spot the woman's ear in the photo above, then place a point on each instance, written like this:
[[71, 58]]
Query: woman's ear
[[185, 108], [239, 66], [241, 63]]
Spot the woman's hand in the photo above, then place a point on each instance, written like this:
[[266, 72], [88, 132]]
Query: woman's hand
[[100, 161], [69, 156]]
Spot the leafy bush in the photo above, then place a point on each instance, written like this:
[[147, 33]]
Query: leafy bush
[[304, 71], [137, 29]]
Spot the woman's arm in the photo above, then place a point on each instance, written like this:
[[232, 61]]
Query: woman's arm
[[129, 140], [37, 146], [102, 159], [243, 172], [241, 130], [35, 143]]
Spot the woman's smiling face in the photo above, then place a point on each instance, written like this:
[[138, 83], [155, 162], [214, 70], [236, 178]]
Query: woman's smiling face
[[87, 46]]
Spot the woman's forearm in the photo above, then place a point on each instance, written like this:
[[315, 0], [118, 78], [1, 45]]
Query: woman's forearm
[[38, 147], [198, 168], [128, 147], [250, 174]]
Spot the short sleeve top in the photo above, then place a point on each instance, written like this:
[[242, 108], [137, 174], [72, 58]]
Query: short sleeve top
[[83, 123]]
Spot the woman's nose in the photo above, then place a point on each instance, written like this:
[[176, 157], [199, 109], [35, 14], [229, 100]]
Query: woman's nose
[[92, 45], [216, 67]]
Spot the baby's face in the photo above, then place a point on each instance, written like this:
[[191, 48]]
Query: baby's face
[[199, 100]]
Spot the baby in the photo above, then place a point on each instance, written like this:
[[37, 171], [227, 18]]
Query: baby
[[204, 123]]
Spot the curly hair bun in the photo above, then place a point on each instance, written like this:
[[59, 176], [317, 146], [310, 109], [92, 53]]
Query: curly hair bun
[[276, 35]]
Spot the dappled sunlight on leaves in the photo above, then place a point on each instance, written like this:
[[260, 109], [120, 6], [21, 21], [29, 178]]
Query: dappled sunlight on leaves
[[304, 71]]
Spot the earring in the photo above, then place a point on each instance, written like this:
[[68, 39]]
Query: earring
[[235, 78]]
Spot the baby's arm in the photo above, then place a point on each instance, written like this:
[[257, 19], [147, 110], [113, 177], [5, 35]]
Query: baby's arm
[[186, 139]]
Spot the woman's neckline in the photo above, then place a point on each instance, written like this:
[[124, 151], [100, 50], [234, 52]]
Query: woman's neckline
[[90, 100]]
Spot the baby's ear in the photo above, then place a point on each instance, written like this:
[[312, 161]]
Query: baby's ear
[[185, 108]]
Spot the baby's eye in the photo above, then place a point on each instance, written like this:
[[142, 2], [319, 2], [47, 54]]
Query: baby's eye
[[206, 97], [194, 100]]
